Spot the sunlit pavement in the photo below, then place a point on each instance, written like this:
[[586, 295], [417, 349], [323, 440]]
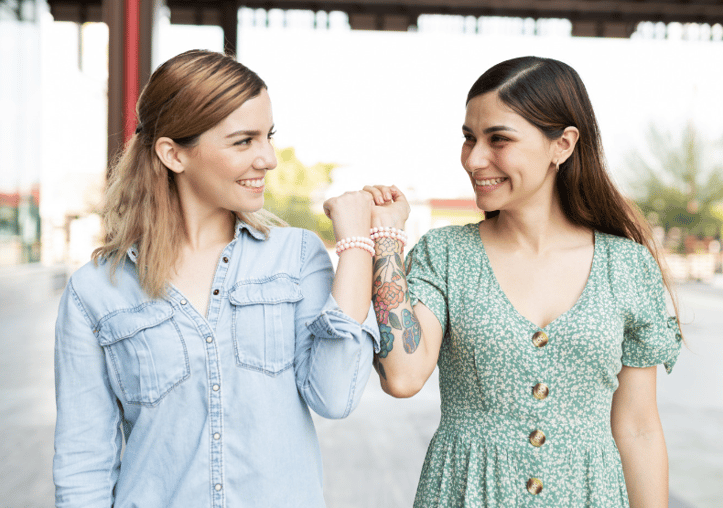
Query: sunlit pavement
[[373, 458]]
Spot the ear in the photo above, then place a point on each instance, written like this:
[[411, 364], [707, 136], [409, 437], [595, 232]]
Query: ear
[[170, 154], [565, 144]]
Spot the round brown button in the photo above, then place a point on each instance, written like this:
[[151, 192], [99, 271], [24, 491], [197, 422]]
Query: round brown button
[[225, 259], [534, 486], [540, 391], [215, 291], [539, 339], [537, 438]]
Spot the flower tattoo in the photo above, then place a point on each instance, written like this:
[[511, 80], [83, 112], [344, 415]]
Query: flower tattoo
[[387, 340]]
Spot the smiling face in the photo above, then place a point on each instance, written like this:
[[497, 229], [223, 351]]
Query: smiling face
[[510, 162], [225, 170]]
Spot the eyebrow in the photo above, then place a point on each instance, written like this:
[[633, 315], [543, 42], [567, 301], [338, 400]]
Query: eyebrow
[[489, 130], [248, 133]]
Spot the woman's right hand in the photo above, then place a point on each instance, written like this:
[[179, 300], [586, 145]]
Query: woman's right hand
[[391, 207]]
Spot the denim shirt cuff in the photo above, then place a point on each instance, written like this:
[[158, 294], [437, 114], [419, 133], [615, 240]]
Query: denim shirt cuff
[[333, 323]]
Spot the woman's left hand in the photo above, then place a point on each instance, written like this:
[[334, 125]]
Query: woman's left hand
[[350, 214]]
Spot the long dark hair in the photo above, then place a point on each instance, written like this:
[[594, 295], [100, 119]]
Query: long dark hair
[[550, 95]]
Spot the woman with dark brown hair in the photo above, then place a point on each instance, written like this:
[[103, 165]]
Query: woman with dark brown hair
[[197, 341], [547, 319]]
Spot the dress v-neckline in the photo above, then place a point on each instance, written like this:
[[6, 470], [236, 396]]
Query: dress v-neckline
[[578, 302]]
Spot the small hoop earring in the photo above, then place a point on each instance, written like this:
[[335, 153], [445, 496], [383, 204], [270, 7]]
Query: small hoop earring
[[557, 166]]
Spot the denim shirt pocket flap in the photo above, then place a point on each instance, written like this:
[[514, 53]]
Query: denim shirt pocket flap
[[123, 324], [266, 291], [263, 323], [145, 352]]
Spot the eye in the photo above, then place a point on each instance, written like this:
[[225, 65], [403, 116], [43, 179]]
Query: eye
[[272, 134], [496, 138], [468, 137], [243, 142]]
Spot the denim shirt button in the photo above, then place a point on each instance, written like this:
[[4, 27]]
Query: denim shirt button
[[217, 436], [215, 291], [217, 486], [183, 302], [216, 388], [209, 339]]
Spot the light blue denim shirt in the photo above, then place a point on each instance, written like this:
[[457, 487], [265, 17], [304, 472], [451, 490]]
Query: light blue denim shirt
[[214, 410]]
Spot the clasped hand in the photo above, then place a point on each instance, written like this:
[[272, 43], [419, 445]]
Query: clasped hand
[[355, 213]]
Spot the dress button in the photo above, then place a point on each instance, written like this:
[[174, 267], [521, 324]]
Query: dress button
[[225, 259], [209, 339], [183, 302], [215, 291], [534, 486], [217, 486], [537, 438], [540, 391], [539, 339], [217, 436], [216, 388]]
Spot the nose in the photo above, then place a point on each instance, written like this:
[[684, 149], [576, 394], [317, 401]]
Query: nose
[[266, 158], [475, 157]]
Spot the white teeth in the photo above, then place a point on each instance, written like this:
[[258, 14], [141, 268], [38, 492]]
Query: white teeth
[[259, 182], [491, 181]]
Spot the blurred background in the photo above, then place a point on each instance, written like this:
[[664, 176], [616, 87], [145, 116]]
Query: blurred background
[[363, 92]]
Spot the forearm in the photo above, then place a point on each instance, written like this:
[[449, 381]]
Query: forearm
[[403, 360], [351, 288], [645, 466]]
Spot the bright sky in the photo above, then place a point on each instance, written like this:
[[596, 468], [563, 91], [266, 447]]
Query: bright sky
[[388, 106]]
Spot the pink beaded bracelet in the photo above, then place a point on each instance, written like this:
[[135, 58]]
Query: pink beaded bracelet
[[387, 232], [358, 242]]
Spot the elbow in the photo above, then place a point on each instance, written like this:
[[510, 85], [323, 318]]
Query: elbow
[[402, 389]]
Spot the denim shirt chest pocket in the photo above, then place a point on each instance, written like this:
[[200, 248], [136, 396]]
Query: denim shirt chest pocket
[[145, 351], [263, 322]]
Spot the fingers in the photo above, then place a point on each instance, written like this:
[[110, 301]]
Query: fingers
[[382, 193]]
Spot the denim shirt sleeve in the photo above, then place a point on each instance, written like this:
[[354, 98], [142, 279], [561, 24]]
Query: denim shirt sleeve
[[334, 352], [87, 433]]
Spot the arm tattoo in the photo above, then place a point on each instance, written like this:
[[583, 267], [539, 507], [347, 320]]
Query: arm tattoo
[[389, 292]]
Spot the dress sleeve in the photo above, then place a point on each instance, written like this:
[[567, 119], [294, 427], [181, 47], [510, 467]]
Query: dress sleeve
[[652, 336], [427, 275]]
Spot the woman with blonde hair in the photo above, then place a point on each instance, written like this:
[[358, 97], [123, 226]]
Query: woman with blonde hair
[[189, 352], [546, 320]]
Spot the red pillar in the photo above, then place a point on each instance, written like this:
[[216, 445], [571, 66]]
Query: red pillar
[[131, 46]]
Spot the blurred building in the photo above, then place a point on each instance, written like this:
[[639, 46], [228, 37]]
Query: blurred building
[[20, 131]]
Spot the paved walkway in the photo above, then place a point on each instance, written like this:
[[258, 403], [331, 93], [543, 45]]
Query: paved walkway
[[371, 459]]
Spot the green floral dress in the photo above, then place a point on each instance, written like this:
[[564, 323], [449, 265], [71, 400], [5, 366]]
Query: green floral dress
[[526, 410]]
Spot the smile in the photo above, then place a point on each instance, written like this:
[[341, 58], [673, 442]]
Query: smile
[[490, 182], [254, 184]]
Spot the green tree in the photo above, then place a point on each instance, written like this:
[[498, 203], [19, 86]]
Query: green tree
[[676, 187], [293, 190]]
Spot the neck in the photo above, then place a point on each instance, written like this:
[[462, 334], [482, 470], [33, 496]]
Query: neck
[[536, 227], [206, 230]]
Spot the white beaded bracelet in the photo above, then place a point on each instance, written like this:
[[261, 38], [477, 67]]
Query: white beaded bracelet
[[359, 242], [387, 232]]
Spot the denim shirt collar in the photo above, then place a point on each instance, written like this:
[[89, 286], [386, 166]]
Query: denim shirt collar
[[238, 228], [241, 225]]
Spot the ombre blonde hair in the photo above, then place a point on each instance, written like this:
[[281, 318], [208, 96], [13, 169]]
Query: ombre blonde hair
[[187, 95]]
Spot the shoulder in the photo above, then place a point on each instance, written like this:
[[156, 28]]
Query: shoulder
[[626, 252], [288, 237], [100, 292], [630, 264], [447, 236]]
